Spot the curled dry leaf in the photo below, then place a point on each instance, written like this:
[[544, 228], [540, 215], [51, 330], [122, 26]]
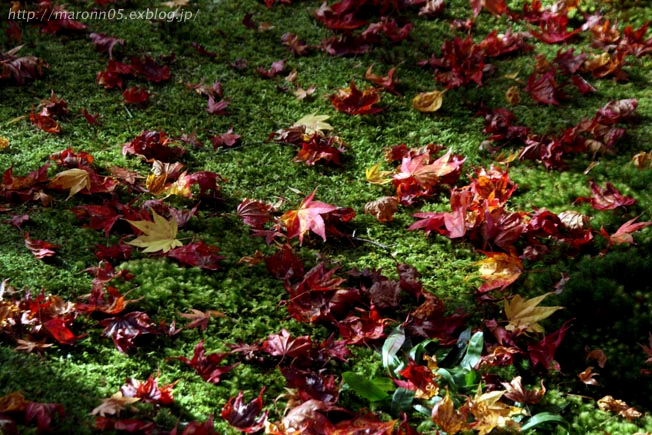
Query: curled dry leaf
[[383, 208], [515, 391], [641, 160], [428, 101], [573, 220], [588, 377], [597, 355], [608, 403]]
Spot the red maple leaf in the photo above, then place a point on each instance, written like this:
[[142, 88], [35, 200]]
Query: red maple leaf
[[197, 254], [105, 299], [135, 95], [43, 414], [276, 69], [124, 330], [91, 119], [216, 108], [45, 123], [254, 213], [148, 69], [624, 233], [100, 217], [152, 145], [353, 101], [149, 391], [320, 149], [282, 344], [285, 264], [245, 416], [311, 385], [461, 63], [207, 365], [544, 88], [39, 248], [387, 82], [608, 198], [20, 69], [227, 139], [543, 352], [105, 43], [368, 326]]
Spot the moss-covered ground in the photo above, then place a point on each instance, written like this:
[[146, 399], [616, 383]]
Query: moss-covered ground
[[608, 293]]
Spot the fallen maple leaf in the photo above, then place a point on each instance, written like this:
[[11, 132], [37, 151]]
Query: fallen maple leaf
[[499, 270], [524, 314], [608, 198], [206, 365], [159, 235], [353, 101], [197, 254], [200, 319], [113, 405], [313, 124], [375, 175], [308, 217], [242, 416], [447, 417], [74, 179], [387, 82], [490, 413], [624, 232], [515, 391], [39, 248], [428, 101]]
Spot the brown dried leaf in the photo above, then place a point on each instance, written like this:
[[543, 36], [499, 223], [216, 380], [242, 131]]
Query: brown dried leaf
[[608, 403], [643, 160], [588, 377], [447, 417], [383, 208], [597, 355]]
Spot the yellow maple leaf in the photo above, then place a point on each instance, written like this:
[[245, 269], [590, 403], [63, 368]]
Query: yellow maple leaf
[[375, 176], [74, 179], [314, 123], [4, 142], [159, 235], [489, 412], [524, 314]]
